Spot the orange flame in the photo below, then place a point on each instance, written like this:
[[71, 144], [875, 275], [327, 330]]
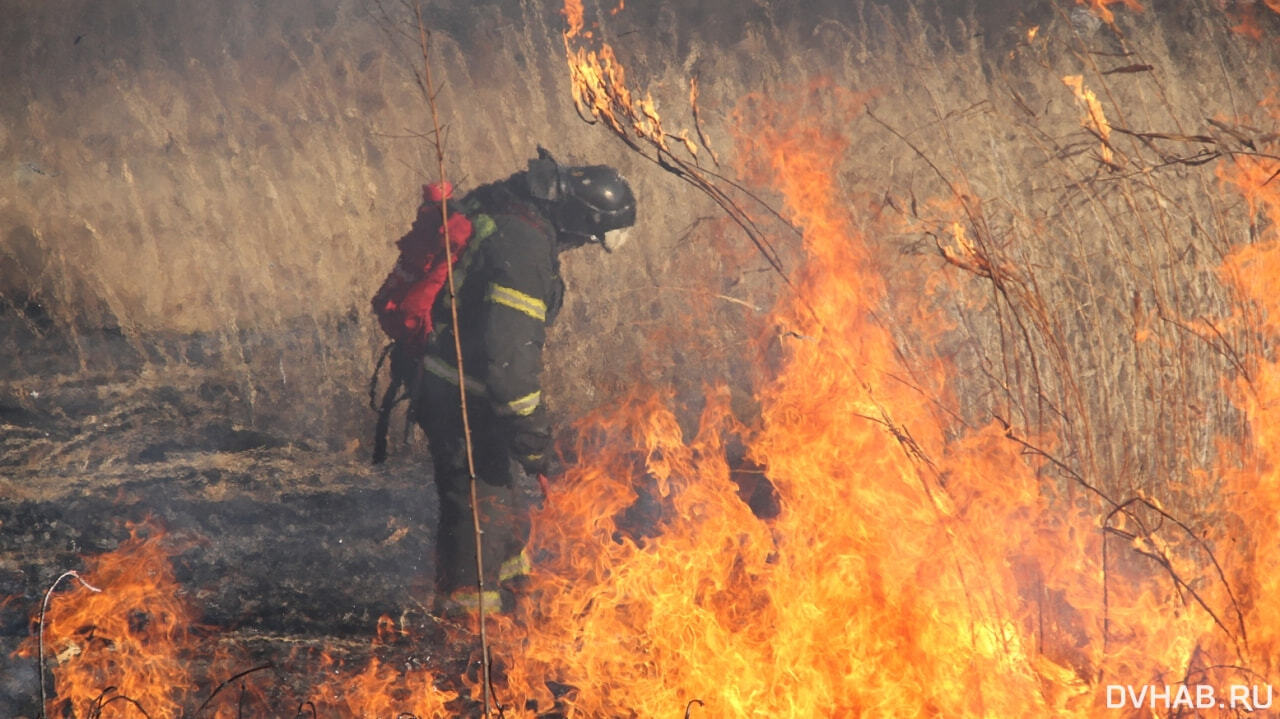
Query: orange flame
[[128, 649], [379, 691], [877, 589], [1253, 485], [916, 565], [573, 17], [1246, 17], [1101, 9], [599, 86], [1095, 119], [127, 636]]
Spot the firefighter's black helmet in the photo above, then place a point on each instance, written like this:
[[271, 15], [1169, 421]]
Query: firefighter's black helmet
[[587, 201], [595, 200]]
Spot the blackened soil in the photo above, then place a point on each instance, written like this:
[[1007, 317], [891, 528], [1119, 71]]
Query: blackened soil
[[280, 541]]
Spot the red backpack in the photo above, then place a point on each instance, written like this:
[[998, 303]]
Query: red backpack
[[403, 303]]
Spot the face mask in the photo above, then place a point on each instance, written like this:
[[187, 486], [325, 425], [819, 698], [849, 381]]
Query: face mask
[[613, 239]]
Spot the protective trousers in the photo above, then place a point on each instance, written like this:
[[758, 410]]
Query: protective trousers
[[503, 505]]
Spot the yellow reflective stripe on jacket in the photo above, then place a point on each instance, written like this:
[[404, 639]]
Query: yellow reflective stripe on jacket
[[517, 300], [469, 600], [517, 566], [524, 406], [449, 373]]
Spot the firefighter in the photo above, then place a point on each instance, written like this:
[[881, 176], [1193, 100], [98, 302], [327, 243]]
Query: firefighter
[[509, 289]]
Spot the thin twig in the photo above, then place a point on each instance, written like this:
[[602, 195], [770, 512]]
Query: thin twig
[[1168, 565], [688, 708], [1226, 349], [129, 700], [697, 120], [228, 682], [44, 608], [101, 703], [1073, 474], [486, 663], [1203, 672]]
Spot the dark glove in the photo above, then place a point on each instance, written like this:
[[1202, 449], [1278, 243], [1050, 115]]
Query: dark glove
[[535, 464]]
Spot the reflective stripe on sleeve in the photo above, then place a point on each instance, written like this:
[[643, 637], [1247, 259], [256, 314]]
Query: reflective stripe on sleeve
[[517, 566], [517, 300], [524, 406], [449, 373], [469, 600]]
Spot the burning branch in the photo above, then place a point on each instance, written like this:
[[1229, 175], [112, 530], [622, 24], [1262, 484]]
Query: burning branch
[[601, 95], [1095, 119], [1161, 557]]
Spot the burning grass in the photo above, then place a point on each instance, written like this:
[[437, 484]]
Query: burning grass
[[135, 647], [1018, 423]]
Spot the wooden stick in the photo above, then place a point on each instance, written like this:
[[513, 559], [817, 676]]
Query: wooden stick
[[486, 663]]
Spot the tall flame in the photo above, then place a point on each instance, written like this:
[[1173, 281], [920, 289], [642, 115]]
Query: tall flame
[[1253, 484], [878, 588]]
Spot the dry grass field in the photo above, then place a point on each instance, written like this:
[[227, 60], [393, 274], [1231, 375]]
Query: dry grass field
[[1053, 211]]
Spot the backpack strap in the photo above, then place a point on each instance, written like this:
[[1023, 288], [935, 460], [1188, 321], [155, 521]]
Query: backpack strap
[[482, 227]]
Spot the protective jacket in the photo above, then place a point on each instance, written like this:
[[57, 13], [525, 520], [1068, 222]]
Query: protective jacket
[[509, 291]]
